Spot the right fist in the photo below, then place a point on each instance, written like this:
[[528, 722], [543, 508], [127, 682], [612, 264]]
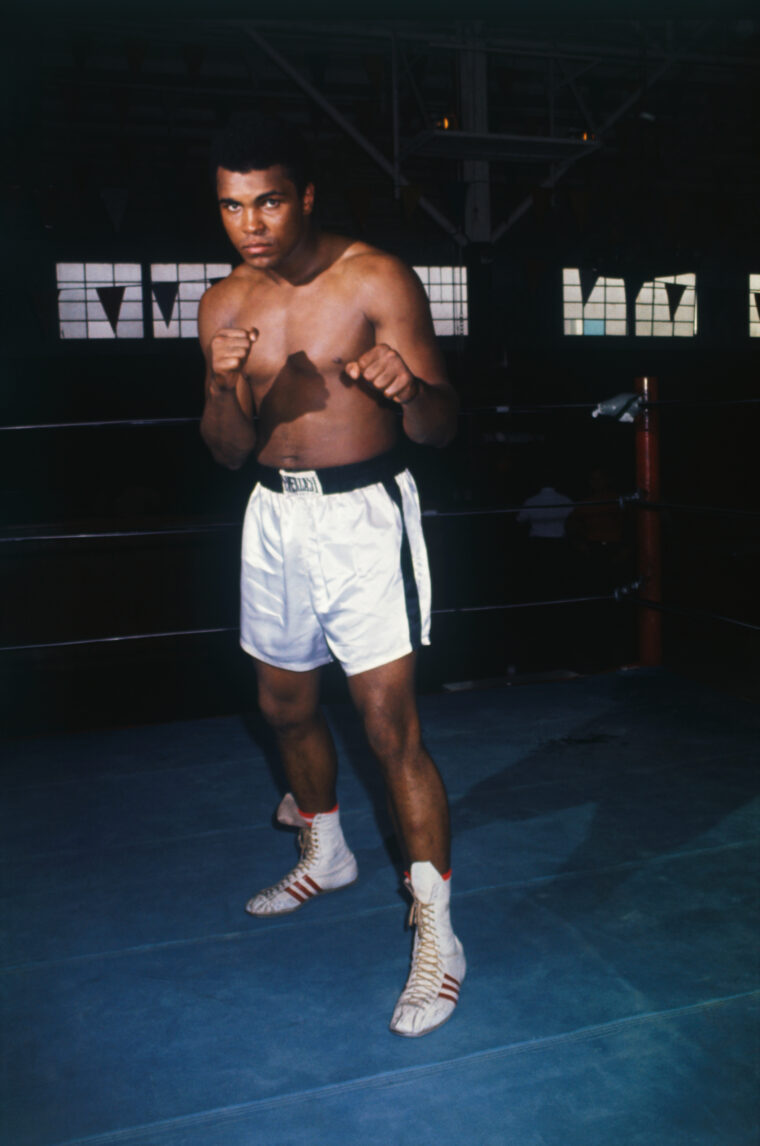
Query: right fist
[[229, 349]]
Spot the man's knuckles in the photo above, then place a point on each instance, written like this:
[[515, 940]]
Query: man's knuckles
[[235, 336], [378, 354]]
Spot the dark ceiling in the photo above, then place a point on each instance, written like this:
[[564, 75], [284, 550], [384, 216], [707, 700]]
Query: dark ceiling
[[623, 131]]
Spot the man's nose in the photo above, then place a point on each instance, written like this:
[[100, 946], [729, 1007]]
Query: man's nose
[[253, 222]]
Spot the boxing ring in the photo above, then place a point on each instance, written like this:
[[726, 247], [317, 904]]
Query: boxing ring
[[605, 835]]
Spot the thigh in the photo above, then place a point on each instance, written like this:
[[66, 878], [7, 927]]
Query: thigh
[[386, 701]]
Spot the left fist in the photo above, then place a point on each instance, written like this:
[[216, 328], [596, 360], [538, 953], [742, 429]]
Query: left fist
[[386, 371]]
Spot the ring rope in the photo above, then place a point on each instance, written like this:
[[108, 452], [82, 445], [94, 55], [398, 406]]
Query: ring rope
[[489, 511], [93, 425], [702, 402], [529, 409], [115, 640], [699, 614], [699, 508], [219, 526], [620, 594], [615, 595], [234, 628], [540, 409], [97, 535]]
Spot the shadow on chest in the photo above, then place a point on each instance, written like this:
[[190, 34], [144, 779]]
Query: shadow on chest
[[313, 333], [299, 387]]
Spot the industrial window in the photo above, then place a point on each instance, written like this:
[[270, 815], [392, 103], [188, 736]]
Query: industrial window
[[176, 289], [105, 300], [446, 288], [593, 304], [667, 307], [99, 300], [754, 306]]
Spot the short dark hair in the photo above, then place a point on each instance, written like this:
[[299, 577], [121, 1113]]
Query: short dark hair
[[253, 141]]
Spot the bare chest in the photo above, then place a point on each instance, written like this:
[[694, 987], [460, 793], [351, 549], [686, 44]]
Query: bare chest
[[302, 333]]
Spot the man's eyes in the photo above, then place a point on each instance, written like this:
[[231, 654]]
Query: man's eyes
[[264, 203]]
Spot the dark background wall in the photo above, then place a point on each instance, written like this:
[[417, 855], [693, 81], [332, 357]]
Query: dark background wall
[[121, 112]]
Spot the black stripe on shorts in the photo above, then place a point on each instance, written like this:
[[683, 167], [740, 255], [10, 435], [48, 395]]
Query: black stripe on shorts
[[411, 593]]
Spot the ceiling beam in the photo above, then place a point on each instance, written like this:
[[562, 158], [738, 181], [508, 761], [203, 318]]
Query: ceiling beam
[[558, 171], [381, 160]]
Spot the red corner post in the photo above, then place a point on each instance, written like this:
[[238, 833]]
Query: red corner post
[[649, 546]]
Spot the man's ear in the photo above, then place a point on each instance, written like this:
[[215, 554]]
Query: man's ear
[[308, 199]]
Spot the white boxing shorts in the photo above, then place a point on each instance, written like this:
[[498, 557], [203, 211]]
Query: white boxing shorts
[[334, 566]]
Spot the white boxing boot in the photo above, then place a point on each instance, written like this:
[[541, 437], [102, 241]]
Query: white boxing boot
[[438, 963], [326, 863]]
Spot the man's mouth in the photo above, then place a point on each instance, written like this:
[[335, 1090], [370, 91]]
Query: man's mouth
[[256, 248]]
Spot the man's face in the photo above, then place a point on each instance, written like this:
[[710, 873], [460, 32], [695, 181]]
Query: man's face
[[263, 214]]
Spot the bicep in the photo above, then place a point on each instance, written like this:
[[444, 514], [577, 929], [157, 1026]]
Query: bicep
[[207, 327], [400, 315], [209, 321]]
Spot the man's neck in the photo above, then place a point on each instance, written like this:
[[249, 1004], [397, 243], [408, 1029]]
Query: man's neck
[[309, 259]]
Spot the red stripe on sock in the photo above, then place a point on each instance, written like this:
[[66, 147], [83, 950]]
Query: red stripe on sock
[[309, 816], [446, 876], [449, 998], [300, 898], [312, 883]]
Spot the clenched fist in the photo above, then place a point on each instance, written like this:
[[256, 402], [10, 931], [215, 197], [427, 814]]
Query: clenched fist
[[385, 370], [229, 350]]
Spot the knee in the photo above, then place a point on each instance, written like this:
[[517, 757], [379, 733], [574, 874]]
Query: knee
[[394, 740], [288, 715]]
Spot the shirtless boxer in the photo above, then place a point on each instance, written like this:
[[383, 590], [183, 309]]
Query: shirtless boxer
[[318, 350]]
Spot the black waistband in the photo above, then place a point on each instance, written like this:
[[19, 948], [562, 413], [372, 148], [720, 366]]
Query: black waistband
[[333, 479]]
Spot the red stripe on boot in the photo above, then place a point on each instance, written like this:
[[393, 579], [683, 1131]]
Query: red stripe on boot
[[300, 898], [303, 889]]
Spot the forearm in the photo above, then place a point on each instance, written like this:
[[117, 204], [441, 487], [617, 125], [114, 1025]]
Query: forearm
[[226, 429], [430, 417]]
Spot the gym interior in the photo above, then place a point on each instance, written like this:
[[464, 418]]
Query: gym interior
[[579, 199]]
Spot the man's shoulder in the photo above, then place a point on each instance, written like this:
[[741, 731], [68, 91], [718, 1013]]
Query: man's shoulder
[[240, 280], [361, 259], [232, 290], [371, 274], [222, 302]]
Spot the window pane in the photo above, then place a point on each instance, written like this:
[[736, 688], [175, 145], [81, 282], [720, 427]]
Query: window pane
[[754, 306], [446, 288], [604, 309], [191, 281], [674, 313], [110, 298]]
